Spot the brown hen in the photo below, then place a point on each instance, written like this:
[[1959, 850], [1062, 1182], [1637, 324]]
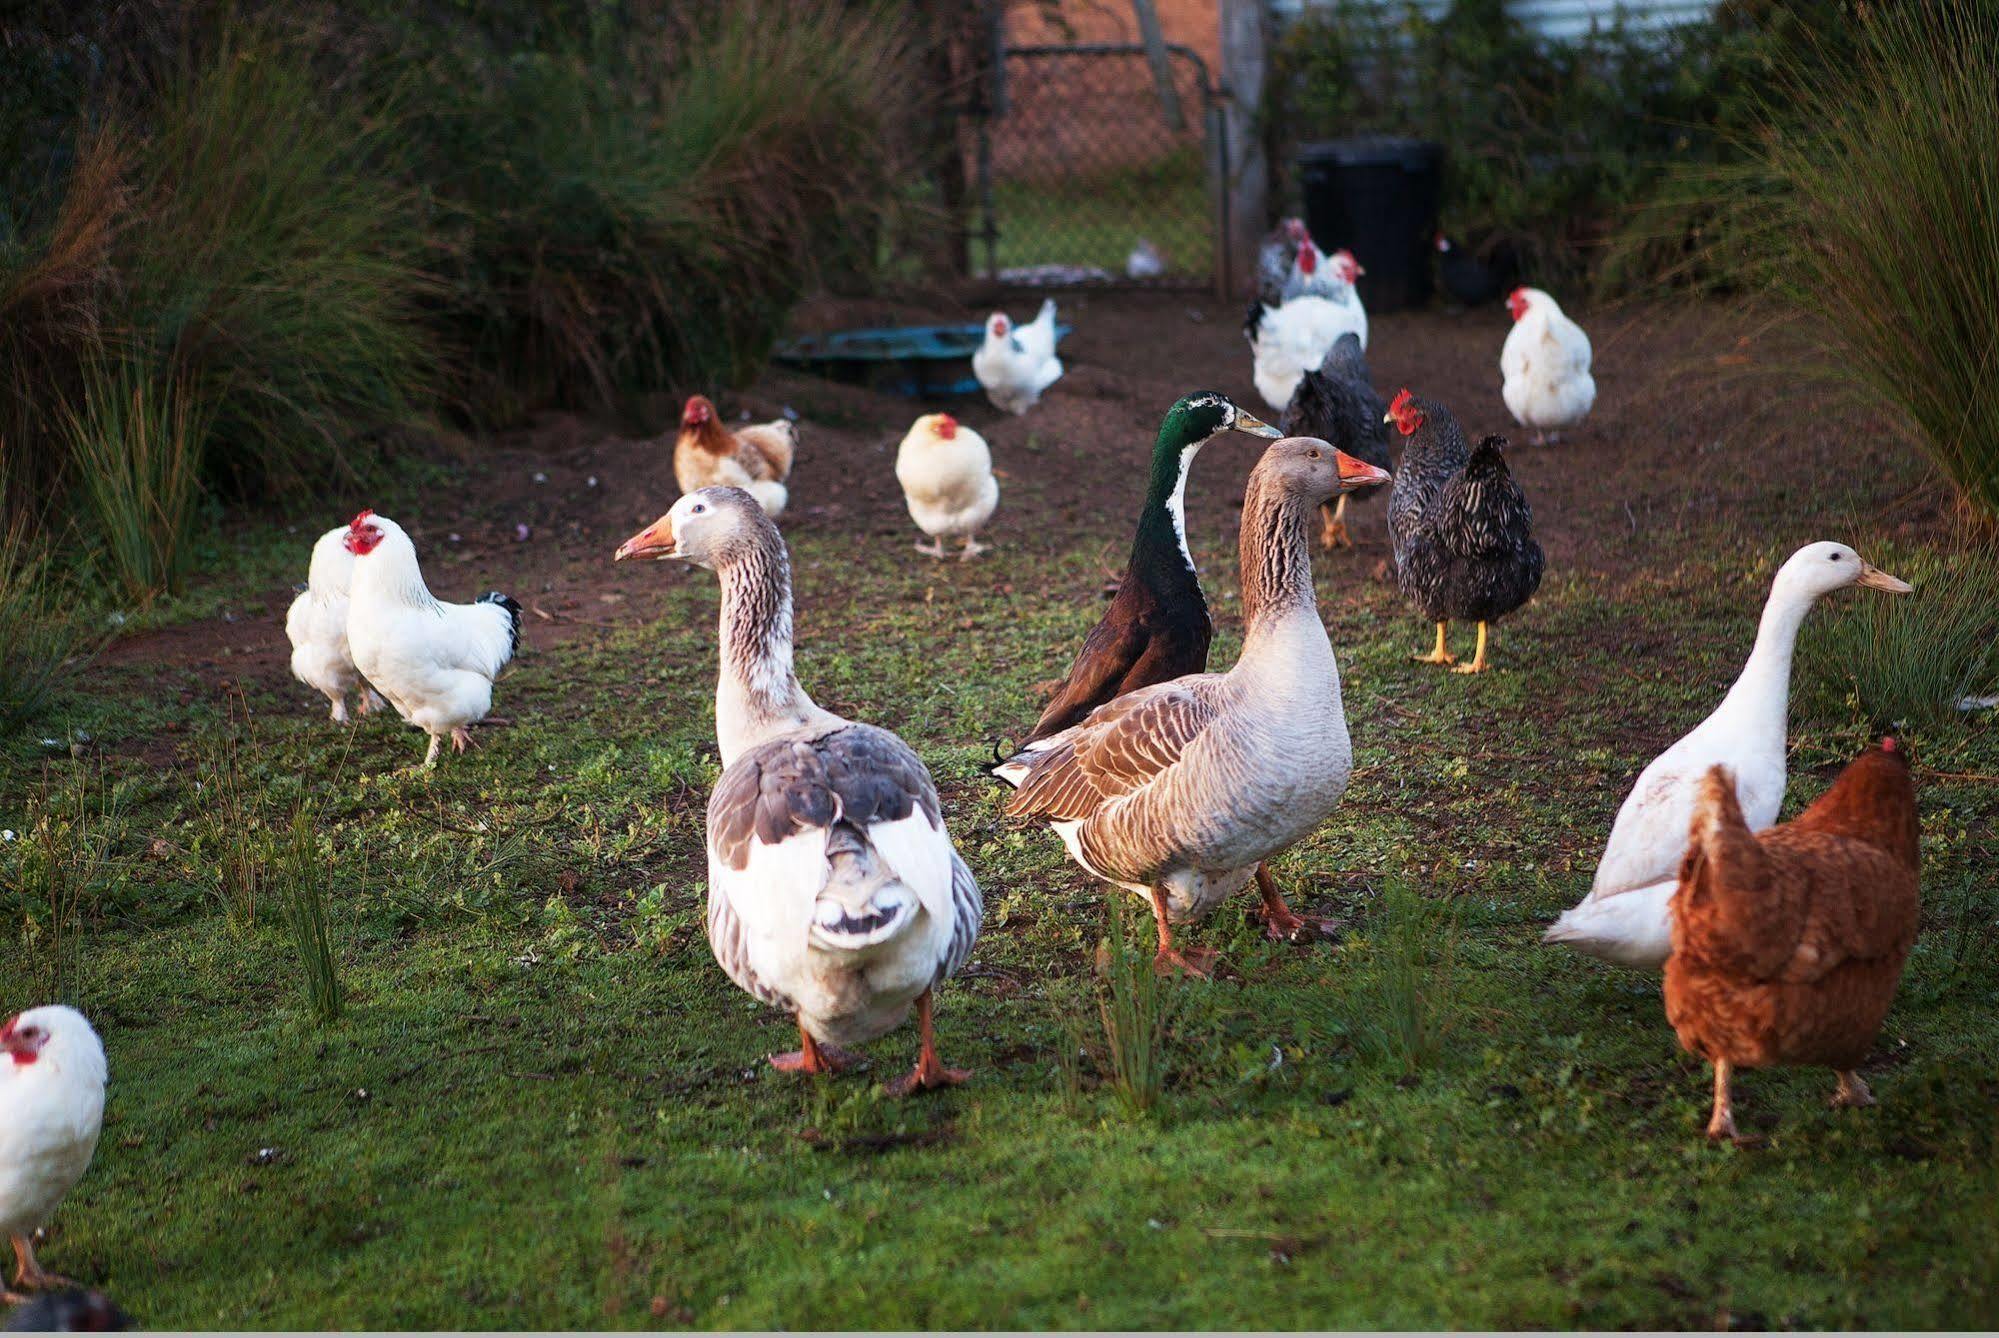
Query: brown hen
[[1788, 944], [756, 457]]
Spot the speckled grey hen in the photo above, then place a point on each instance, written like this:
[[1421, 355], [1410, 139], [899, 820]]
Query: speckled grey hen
[[1336, 402], [1461, 528], [1178, 792]]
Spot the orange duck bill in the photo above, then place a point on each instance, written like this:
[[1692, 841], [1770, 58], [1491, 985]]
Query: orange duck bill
[[1358, 473], [654, 541]]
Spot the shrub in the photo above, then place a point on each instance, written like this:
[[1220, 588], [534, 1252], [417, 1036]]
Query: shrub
[[627, 208], [1882, 230], [1908, 661]]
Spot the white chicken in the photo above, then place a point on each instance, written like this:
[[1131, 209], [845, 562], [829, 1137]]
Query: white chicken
[[51, 1109], [317, 626], [1290, 340], [946, 473], [1545, 364], [435, 662], [1018, 362]]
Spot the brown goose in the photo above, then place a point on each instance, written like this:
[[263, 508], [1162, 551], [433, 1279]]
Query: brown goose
[[1179, 792], [834, 891]]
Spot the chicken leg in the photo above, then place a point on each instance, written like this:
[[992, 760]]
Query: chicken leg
[[972, 549], [1194, 961], [812, 1057], [935, 548], [1280, 923], [1852, 1091], [1439, 655], [1478, 664], [1333, 525], [929, 1071], [1721, 1124], [28, 1273]]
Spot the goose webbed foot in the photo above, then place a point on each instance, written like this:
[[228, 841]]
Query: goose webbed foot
[[813, 1057], [972, 549], [29, 1275], [1281, 924], [1171, 959], [930, 1072]]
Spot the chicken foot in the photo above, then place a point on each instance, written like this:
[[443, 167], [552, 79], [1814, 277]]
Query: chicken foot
[[812, 1057], [1721, 1124], [1439, 655], [935, 548], [1478, 664], [1280, 923], [1333, 525], [1852, 1091], [929, 1072], [972, 549], [1194, 961]]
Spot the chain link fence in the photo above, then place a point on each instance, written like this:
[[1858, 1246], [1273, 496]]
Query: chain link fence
[[1088, 174]]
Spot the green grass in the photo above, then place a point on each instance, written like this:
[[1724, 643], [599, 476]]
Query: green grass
[[1096, 219], [544, 1105]]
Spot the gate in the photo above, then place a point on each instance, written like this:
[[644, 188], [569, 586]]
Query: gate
[[1088, 174]]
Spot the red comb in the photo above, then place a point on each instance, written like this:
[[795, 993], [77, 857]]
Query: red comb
[[360, 520]]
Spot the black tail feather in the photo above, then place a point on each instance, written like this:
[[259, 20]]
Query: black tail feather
[[513, 608]]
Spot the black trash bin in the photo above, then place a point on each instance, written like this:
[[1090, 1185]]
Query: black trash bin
[[1377, 196]]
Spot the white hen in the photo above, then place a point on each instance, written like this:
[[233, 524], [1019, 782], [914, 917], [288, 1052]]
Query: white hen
[[1545, 363], [51, 1110], [1290, 340], [317, 626], [1018, 362], [435, 662], [1625, 917], [946, 473]]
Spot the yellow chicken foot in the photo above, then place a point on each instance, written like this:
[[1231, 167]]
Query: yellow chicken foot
[[1333, 525], [1439, 655], [1721, 1124], [929, 1071], [1477, 665]]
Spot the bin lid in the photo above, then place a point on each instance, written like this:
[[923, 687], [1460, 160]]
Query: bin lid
[[1413, 155]]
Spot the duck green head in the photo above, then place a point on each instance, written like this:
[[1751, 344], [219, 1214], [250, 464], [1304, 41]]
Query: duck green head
[[1190, 424]]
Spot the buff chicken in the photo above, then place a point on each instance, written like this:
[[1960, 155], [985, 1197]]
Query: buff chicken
[[756, 457], [1788, 944]]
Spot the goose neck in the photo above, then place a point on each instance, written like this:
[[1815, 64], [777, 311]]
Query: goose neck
[[1276, 557], [756, 694]]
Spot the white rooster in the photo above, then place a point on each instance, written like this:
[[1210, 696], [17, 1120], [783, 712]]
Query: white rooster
[[435, 662], [317, 626], [51, 1109], [1290, 340], [1018, 362], [1545, 362], [946, 473]]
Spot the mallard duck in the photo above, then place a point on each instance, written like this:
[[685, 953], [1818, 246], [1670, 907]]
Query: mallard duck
[[1336, 403], [1461, 528], [1178, 792], [1625, 918], [1157, 626], [834, 891]]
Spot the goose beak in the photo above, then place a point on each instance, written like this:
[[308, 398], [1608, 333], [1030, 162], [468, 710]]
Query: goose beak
[[1358, 473], [1874, 578], [1255, 426], [654, 541]]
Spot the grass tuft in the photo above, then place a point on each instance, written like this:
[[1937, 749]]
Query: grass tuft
[[1906, 662], [136, 436], [53, 869], [1136, 1007], [1407, 979], [301, 877], [39, 634]]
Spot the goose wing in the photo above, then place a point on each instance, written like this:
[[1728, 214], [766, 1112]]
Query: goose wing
[[1120, 748]]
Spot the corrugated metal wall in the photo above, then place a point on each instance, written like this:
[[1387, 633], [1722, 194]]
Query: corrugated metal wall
[[1551, 18]]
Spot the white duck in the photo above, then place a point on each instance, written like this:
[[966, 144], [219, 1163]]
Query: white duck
[[1180, 791], [316, 623], [1624, 918], [1545, 364], [51, 1110], [1290, 340], [1017, 362], [834, 891]]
